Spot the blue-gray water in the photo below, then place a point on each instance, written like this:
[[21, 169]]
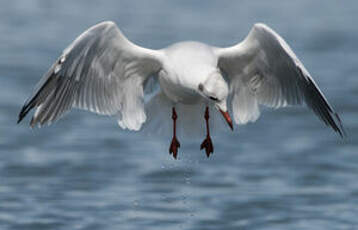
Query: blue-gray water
[[286, 171]]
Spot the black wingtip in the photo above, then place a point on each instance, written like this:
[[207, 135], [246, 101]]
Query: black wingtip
[[340, 129], [24, 111], [22, 114]]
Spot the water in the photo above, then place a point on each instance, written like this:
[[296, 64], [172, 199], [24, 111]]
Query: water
[[287, 171]]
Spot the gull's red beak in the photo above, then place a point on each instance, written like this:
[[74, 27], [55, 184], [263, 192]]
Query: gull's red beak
[[227, 118]]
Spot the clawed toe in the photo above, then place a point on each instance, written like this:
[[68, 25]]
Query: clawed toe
[[173, 149], [208, 145]]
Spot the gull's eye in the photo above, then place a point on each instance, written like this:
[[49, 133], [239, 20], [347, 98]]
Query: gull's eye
[[213, 98]]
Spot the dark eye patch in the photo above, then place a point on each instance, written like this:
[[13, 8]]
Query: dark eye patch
[[213, 98]]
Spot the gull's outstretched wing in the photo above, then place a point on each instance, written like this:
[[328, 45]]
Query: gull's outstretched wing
[[100, 71], [264, 70]]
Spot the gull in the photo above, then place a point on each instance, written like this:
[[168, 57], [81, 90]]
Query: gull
[[103, 72]]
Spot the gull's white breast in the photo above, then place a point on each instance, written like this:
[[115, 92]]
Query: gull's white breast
[[187, 64]]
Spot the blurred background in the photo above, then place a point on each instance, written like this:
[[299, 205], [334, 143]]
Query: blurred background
[[286, 171]]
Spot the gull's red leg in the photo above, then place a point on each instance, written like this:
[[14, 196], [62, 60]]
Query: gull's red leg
[[173, 149], [207, 144]]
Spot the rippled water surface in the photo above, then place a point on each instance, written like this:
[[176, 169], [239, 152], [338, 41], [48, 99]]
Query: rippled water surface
[[287, 171]]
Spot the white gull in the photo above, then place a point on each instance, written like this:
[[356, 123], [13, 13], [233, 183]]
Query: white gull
[[103, 72]]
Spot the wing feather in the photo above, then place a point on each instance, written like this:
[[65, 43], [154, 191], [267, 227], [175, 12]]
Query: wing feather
[[101, 71], [264, 70]]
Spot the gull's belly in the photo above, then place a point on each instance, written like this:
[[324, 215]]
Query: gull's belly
[[178, 92]]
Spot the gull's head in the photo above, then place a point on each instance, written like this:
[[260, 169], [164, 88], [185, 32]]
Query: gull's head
[[216, 91]]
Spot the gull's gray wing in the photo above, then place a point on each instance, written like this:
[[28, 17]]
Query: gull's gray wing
[[264, 70], [101, 71]]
